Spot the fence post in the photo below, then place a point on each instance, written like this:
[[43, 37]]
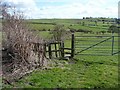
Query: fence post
[[55, 49], [44, 46], [62, 49], [49, 50], [72, 46], [112, 45]]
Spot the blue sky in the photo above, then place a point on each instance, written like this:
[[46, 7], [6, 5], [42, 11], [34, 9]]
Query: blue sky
[[67, 8]]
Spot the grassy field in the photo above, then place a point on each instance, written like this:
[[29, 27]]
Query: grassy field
[[84, 71], [89, 24]]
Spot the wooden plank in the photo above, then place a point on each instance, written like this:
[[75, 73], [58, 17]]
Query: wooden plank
[[62, 49], [67, 52], [59, 45], [67, 48], [72, 46], [56, 50], [94, 36], [112, 45], [49, 50], [54, 42], [94, 45]]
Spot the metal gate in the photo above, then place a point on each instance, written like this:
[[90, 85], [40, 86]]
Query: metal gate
[[96, 45]]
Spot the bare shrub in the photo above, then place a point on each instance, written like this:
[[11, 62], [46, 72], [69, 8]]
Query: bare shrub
[[24, 50], [59, 33]]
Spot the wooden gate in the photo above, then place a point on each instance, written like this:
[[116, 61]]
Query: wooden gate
[[57, 49], [96, 45]]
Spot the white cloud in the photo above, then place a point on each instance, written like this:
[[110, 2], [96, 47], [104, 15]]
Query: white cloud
[[73, 8], [28, 7], [79, 10], [53, 1]]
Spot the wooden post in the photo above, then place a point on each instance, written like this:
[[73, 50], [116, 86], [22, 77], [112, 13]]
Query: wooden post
[[59, 46], [55, 49], [62, 49], [112, 45], [36, 47], [49, 51], [44, 46], [118, 37], [72, 46]]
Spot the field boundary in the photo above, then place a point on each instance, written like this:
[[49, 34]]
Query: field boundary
[[99, 44]]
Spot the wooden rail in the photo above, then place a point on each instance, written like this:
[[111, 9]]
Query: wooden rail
[[58, 49]]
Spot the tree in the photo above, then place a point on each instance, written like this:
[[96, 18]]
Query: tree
[[103, 21], [117, 21], [113, 28], [83, 17], [96, 23], [83, 23], [58, 32]]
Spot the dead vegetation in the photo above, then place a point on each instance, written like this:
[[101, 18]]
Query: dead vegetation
[[22, 51]]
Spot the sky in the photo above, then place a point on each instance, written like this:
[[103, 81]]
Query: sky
[[35, 9]]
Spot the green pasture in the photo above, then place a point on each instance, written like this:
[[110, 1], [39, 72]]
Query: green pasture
[[91, 28], [89, 24], [41, 27], [83, 71]]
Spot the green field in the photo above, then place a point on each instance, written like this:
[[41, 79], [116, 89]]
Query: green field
[[84, 71], [40, 24]]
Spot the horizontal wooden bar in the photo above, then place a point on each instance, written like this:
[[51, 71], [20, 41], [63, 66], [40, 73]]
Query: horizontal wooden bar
[[94, 54], [103, 49], [67, 48], [55, 43], [54, 51], [67, 52], [96, 36], [89, 46]]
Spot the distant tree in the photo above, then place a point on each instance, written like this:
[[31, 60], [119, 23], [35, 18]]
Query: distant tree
[[87, 17], [103, 21], [90, 17], [117, 21], [83, 17], [58, 33], [103, 32], [113, 28], [96, 23], [83, 23]]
